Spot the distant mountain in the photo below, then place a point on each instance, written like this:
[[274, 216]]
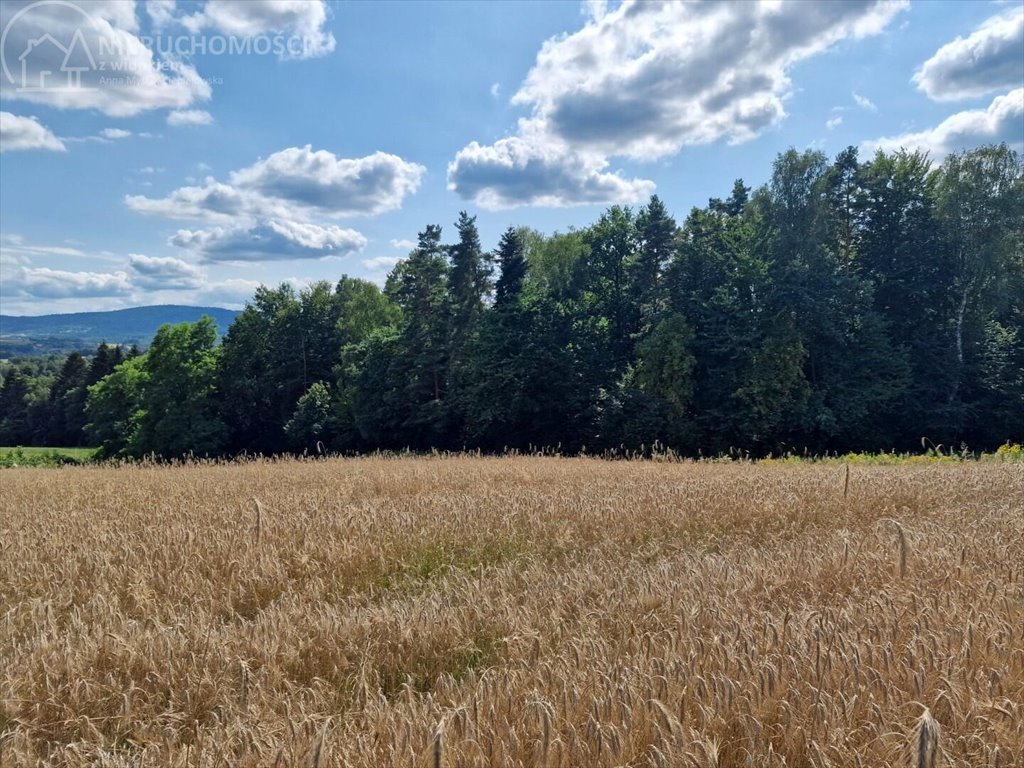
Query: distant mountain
[[48, 334]]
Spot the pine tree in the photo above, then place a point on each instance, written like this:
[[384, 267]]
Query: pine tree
[[15, 427], [512, 260], [656, 232], [469, 276], [419, 285], [66, 403]]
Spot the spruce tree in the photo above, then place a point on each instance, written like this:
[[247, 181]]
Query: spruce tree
[[512, 261]]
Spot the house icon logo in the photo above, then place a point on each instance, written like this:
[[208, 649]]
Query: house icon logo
[[48, 49]]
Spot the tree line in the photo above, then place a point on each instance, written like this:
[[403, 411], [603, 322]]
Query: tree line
[[844, 305], [43, 399]]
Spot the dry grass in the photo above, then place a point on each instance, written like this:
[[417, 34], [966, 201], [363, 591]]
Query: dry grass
[[512, 612]]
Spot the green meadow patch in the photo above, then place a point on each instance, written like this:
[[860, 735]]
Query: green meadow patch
[[44, 457]]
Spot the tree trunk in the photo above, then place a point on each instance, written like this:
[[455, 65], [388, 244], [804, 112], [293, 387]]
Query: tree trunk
[[961, 312]]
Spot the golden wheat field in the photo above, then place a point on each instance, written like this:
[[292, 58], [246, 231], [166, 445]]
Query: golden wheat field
[[528, 611]]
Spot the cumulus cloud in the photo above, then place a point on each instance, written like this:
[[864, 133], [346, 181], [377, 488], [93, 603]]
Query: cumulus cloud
[[303, 20], [989, 59], [294, 183], [45, 283], [213, 201], [1002, 121], [644, 80], [514, 172], [21, 132], [404, 245], [115, 133], [648, 78], [332, 185], [189, 117], [834, 122], [270, 240], [159, 273], [80, 56]]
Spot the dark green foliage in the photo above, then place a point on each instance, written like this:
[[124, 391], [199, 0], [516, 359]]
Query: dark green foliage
[[846, 305], [980, 204], [469, 277], [114, 409], [420, 286], [310, 427], [280, 344], [16, 426], [67, 403], [524, 385], [178, 413], [512, 261], [656, 237], [613, 243]]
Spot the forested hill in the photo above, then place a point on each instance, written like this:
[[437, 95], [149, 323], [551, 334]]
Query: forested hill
[[43, 334]]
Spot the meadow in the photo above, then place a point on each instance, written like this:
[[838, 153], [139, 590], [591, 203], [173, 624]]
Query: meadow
[[36, 456], [517, 611]]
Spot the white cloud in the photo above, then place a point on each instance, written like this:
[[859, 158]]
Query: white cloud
[[332, 185], [495, 90], [644, 80], [294, 183], [269, 241], [1002, 121], [189, 117], [89, 56], [302, 20], [161, 12], [232, 293], [865, 103], [403, 245], [15, 244], [213, 201], [44, 283], [27, 289], [834, 122], [648, 78], [513, 172], [595, 9], [164, 273], [14, 248], [108, 136], [381, 263], [21, 132], [989, 59]]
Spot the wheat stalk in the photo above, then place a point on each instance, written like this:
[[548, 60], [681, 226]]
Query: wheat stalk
[[924, 742]]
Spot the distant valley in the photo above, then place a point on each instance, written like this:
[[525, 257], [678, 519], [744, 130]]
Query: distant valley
[[51, 334]]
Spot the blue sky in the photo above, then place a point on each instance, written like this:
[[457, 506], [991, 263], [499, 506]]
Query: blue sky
[[331, 133]]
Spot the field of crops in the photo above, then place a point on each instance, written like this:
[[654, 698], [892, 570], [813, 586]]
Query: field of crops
[[523, 611]]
